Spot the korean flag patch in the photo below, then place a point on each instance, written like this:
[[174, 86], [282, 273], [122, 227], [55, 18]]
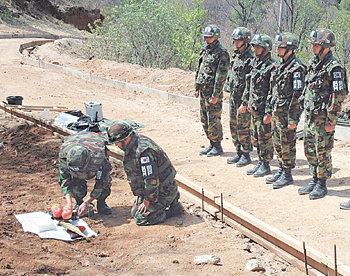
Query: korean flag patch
[[297, 75], [144, 160], [337, 75]]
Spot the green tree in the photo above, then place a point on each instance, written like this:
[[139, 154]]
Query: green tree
[[150, 33]]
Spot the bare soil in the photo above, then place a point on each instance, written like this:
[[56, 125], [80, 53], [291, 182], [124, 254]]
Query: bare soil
[[177, 128], [28, 161]]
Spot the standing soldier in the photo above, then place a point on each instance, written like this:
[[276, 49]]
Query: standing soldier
[[210, 78], [325, 90], [150, 174], [84, 156], [283, 103], [236, 81], [254, 99]]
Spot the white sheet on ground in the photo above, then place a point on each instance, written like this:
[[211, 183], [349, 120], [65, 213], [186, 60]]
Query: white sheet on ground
[[40, 223]]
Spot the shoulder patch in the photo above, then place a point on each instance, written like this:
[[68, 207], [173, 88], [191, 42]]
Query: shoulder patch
[[297, 75], [337, 75], [144, 159]]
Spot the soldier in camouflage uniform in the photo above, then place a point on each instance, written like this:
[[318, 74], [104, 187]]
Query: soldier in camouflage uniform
[[83, 156], [287, 83], [254, 99], [150, 174], [235, 83], [325, 90], [210, 78]]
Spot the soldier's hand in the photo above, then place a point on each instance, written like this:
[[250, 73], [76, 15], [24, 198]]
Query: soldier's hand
[[328, 127], [82, 209], [143, 206], [196, 94], [213, 100], [242, 109], [267, 119], [250, 109], [291, 126]]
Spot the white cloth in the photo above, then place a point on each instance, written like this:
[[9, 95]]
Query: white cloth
[[40, 223]]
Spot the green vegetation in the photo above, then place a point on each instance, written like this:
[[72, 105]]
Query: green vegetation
[[150, 33], [167, 33]]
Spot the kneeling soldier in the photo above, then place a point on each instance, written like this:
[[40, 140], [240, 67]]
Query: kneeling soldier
[[150, 174]]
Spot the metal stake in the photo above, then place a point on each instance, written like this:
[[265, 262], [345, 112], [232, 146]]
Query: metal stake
[[305, 260], [335, 261], [222, 208], [202, 199]]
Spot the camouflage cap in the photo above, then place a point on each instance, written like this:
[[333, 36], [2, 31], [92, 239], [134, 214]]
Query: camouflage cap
[[242, 33], [119, 131], [78, 157], [211, 31], [323, 37], [286, 40], [263, 41]]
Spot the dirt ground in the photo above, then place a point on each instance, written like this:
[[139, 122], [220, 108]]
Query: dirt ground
[[28, 161], [177, 128]]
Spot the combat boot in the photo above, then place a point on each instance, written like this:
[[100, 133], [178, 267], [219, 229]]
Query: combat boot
[[216, 150], [234, 159], [285, 179], [263, 170], [244, 160], [320, 190], [253, 170], [345, 205], [309, 187], [175, 208], [102, 207], [276, 176], [207, 149]]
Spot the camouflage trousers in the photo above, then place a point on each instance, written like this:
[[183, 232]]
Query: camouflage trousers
[[284, 140], [211, 119], [240, 128], [262, 137], [79, 188], [156, 211], [318, 146]]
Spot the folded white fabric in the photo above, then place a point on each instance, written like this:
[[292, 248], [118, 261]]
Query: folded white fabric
[[40, 223]]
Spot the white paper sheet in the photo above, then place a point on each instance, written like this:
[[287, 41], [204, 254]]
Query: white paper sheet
[[40, 223]]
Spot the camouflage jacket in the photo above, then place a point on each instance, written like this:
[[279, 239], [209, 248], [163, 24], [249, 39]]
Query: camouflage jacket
[[287, 83], [258, 83], [241, 65], [325, 89], [149, 170], [212, 70], [99, 165]]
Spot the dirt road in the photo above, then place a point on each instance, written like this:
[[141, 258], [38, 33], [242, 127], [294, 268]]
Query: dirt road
[[177, 128]]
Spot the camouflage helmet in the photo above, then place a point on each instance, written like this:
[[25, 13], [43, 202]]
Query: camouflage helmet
[[263, 41], [286, 40], [242, 33], [78, 157], [119, 131], [323, 37], [211, 31]]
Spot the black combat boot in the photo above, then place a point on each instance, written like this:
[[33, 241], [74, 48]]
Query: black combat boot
[[175, 208], [244, 160], [207, 149], [285, 179], [345, 205], [274, 178], [263, 170], [253, 170], [309, 187], [216, 150], [234, 159], [102, 207], [320, 190]]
